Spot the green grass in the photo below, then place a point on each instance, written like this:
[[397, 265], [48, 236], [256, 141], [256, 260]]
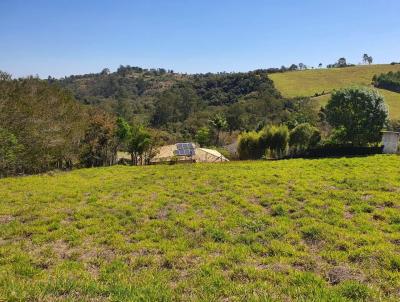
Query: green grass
[[292, 230], [310, 82]]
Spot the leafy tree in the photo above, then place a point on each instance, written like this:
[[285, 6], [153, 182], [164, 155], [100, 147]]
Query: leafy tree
[[219, 123], [293, 67], [301, 66], [10, 153], [105, 71], [139, 142], [358, 113], [342, 62], [203, 136], [4, 76], [99, 143], [365, 58], [320, 65], [234, 116], [123, 131], [45, 119]]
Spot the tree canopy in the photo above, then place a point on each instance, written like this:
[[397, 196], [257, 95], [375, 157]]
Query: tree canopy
[[358, 114]]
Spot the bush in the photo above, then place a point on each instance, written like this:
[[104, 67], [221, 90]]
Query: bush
[[275, 141], [249, 146], [303, 136], [272, 142]]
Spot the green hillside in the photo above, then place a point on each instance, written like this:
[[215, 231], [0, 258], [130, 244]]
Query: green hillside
[[310, 82], [292, 230]]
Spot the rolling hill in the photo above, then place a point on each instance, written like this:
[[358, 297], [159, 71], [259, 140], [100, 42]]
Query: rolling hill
[[291, 230], [323, 81]]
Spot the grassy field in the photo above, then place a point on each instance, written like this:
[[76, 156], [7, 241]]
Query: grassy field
[[292, 230], [310, 82]]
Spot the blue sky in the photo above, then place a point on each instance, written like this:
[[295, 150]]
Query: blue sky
[[63, 37]]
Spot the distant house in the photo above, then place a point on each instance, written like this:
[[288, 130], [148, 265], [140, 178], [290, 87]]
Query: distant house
[[390, 142], [187, 152]]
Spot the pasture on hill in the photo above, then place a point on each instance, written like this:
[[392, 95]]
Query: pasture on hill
[[310, 82], [290, 230]]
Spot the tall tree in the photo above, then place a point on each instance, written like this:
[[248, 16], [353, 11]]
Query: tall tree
[[45, 119], [99, 143], [203, 136], [219, 123], [342, 62], [10, 151], [365, 58], [139, 142], [358, 114]]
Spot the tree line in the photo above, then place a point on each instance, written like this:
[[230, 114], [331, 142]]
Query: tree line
[[353, 117], [44, 127]]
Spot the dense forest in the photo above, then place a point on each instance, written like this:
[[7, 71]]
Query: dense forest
[[181, 104], [389, 81]]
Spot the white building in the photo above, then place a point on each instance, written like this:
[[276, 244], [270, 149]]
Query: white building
[[390, 142]]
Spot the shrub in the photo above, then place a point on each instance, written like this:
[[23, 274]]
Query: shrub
[[249, 146], [272, 141], [275, 141], [203, 136], [303, 136]]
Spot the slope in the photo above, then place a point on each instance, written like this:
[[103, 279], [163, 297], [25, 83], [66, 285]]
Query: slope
[[293, 230], [323, 81]]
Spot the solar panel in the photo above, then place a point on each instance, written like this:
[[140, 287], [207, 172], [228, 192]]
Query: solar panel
[[185, 149], [185, 146]]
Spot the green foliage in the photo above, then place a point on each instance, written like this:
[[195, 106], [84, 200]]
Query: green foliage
[[303, 136], [218, 123], [249, 146], [271, 141], [359, 113], [99, 146], [139, 142], [275, 139], [203, 136], [178, 103], [10, 153], [45, 120], [123, 130]]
